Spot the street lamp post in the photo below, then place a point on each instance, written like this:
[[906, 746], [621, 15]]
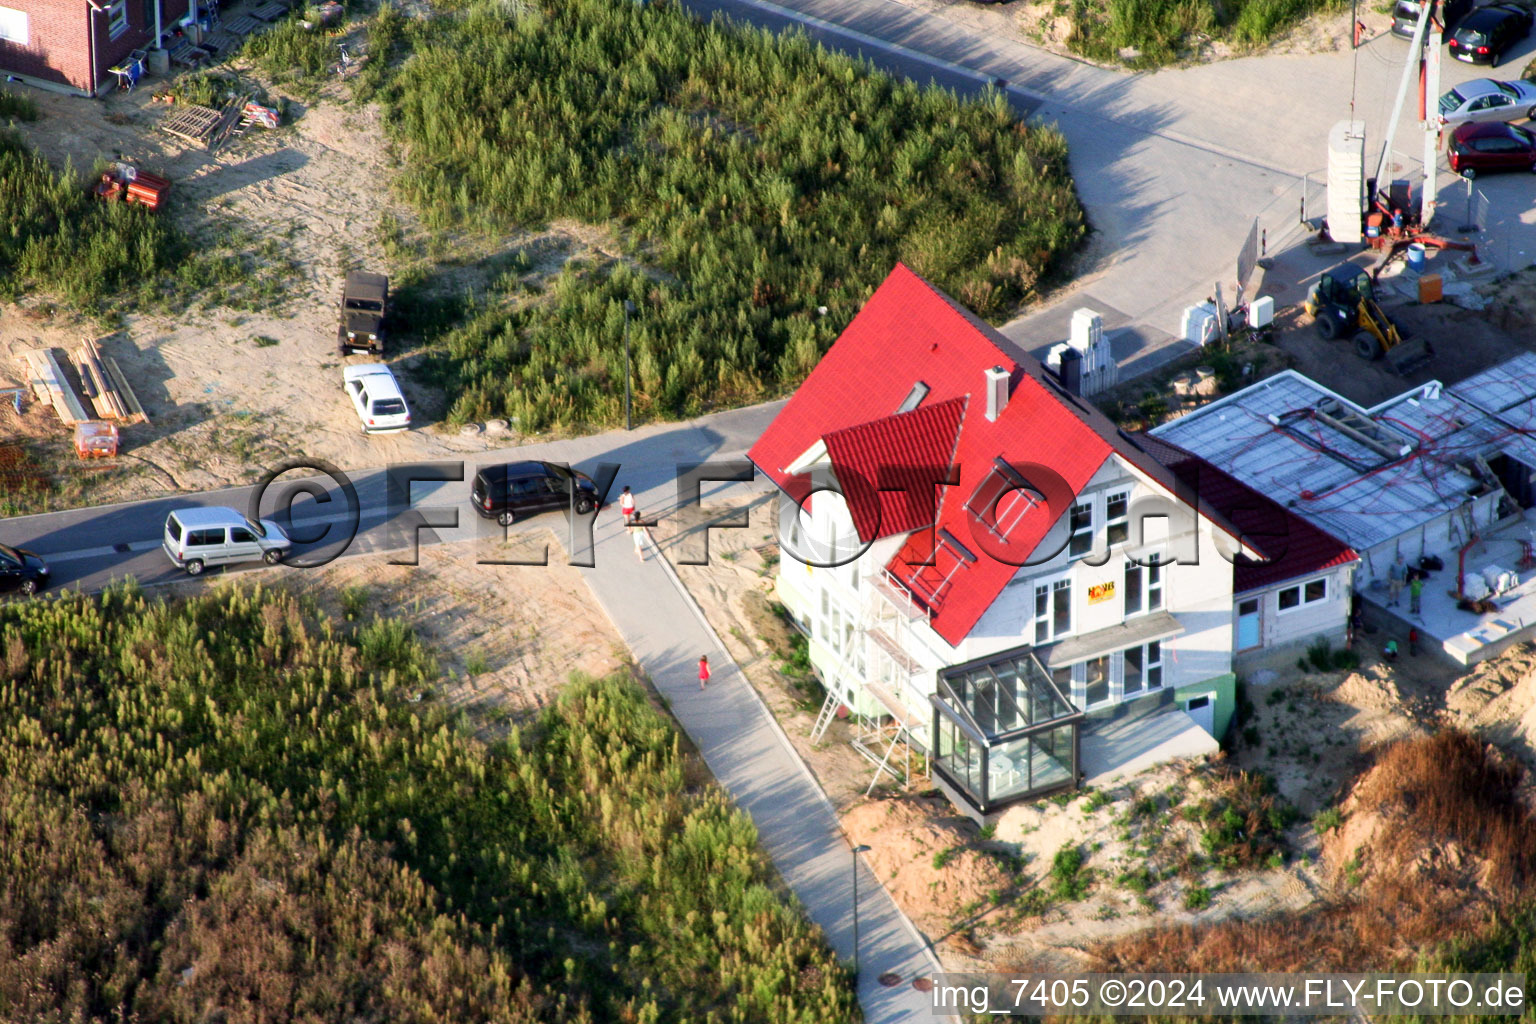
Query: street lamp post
[[629, 309], [856, 851]]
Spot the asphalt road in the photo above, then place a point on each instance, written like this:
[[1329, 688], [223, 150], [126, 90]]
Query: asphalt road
[[91, 547]]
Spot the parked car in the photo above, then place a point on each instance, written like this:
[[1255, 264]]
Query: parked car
[[376, 396], [364, 308], [199, 537], [515, 489], [1478, 148], [1484, 35], [22, 570], [1405, 15], [1483, 99]]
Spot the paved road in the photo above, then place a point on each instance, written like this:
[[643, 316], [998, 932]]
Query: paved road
[[1172, 167], [737, 736]]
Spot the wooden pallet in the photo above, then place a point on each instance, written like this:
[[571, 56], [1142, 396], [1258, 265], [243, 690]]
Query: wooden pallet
[[242, 25], [187, 55], [270, 11], [192, 123], [50, 385], [220, 42]]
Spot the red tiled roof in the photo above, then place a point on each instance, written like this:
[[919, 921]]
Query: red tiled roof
[[1292, 546], [886, 467], [910, 333]]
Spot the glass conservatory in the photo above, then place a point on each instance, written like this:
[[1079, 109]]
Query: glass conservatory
[[1003, 731]]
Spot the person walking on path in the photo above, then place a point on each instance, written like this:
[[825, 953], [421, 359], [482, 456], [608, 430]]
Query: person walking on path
[[1397, 574], [703, 671], [627, 505], [1415, 589], [1413, 642], [638, 533]]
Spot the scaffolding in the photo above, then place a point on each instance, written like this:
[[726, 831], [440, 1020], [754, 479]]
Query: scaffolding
[[886, 726]]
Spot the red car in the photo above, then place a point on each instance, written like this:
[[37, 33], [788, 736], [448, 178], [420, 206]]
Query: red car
[[1491, 146]]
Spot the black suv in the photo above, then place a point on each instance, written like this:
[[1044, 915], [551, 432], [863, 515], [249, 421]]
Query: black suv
[[516, 489]]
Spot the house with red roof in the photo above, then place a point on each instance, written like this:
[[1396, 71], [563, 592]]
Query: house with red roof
[[984, 563]]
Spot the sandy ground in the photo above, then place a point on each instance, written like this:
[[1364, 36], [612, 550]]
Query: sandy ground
[[231, 392], [988, 900], [507, 638]]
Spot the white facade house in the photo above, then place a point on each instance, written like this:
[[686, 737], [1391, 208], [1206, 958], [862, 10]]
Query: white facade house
[[983, 562]]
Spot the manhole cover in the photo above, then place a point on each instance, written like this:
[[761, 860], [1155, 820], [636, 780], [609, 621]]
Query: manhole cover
[[923, 984], [890, 979]]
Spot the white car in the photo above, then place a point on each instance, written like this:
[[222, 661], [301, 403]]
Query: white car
[[1483, 99], [377, 398]]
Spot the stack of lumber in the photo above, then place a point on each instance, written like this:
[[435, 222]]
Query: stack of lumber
[[107, 387], [50, 385], [101, 380]]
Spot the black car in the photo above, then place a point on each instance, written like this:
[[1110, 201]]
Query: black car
[[516, 489], [22, 570], [1484, 35]]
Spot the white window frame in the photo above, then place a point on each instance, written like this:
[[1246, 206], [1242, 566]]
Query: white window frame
[[1075, 535], [1120, 523], [15, 26], [1153, 579], [1048, 617], [1302, 600], [117, 18]]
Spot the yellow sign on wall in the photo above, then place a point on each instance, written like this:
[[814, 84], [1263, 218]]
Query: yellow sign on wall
[[1101, 592]]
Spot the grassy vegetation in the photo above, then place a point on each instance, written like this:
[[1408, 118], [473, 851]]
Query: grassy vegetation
[[17, 106], [1159, 32], [745, 181], [1406, 908], [230, 807], [61, 239]]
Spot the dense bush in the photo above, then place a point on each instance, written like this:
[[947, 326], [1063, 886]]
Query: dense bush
[[1164, 31], [60, 238], [749, 181], [230, 808]]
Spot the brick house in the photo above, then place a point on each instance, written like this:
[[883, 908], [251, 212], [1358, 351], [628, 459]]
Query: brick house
[[69, 45]]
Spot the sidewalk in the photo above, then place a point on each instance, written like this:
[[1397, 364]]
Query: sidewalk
[[752, 759]]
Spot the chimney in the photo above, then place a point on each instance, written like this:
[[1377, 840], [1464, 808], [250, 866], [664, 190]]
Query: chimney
[[997, 392], [1072, 370]]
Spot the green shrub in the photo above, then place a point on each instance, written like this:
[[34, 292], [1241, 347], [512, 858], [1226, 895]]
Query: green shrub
[[61, 239], [1327, 820], [943, 857], [18, 106], [1068, 879], [223, 807], [1165, 31], [749, 181], [1197, 898]]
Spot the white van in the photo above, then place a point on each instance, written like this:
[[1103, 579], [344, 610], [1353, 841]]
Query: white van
[[200, 537]]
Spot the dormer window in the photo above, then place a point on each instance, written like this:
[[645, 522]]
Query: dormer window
[[914, 397]]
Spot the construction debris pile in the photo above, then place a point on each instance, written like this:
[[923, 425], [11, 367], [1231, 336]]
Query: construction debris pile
[[85, 376]]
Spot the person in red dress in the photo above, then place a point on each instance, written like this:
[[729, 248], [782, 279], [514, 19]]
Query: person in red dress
[[703, 671]]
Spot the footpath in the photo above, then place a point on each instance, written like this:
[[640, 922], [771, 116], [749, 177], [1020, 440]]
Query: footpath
[[750, 756]]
